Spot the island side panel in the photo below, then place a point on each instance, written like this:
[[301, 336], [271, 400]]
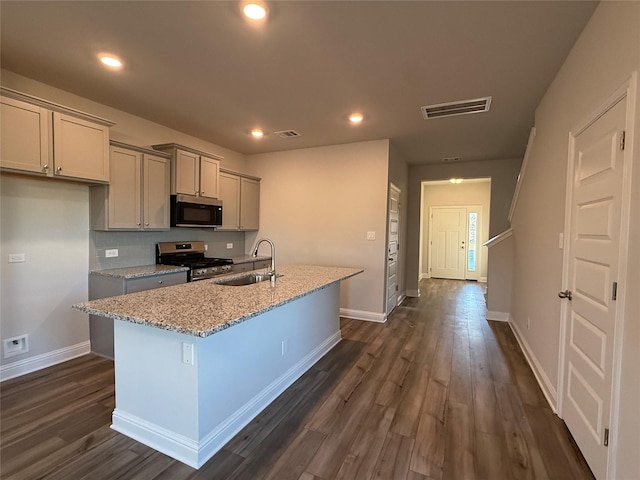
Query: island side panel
[[243, 369], [156, 393], [190, 411]]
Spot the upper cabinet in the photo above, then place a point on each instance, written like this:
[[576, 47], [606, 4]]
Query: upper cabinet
[[46, 139], [137, 198], [192, 172], [240, 195]]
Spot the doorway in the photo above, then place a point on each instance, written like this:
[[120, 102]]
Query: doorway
[[597, 225], [465, 205], [392, 248], [453, 243]]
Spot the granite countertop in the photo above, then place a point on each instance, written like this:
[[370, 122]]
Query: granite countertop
[[140, 271], [204, 308], [248, 259]]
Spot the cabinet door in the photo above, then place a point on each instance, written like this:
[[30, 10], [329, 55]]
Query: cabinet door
[[80, 148], [249, 204], [230, 196], [187, 173], [156, 193], [209, 170], [124, 189], [24, 136]]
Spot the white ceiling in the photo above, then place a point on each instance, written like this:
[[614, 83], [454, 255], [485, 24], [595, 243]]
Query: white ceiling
[[199, 68]]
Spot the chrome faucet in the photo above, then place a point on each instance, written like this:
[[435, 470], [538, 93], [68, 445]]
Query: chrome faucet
[[272, 267]]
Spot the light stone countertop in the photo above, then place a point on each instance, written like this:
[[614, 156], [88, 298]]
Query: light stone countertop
[[139, 271], [203, 308]]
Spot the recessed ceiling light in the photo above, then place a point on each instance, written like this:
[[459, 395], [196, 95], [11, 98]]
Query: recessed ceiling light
[[110, 61], [254, 11], [257, 133], [455, 181], [355, 117]]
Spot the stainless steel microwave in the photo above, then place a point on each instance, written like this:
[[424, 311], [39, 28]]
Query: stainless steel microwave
[[200, 212]]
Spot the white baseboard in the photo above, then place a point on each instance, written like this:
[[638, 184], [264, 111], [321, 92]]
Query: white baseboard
[[498, 316], [413, 293], [482, 279], [548, 389], [401, 299], [38, 362], [423, 276], [363, 315], [197, 453]]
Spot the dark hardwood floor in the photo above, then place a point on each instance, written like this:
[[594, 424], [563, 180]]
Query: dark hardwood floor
[[435, 393]]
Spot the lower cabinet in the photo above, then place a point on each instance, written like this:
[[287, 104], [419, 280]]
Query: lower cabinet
[[240, 197], [248, 266], [137, 197], [103, 286]]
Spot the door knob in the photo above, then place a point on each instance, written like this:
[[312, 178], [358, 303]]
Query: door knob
[[565, 294]]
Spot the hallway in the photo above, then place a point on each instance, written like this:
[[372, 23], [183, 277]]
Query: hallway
[[435, 393]]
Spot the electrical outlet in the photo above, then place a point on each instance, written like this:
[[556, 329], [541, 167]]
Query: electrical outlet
[[561, 240], [371, 235], [111, 253], [229, 246], [17, 258], [188, 353], [15, 346]]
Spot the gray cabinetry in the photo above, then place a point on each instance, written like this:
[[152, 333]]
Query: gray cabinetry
[[103, 286], [192, 172], [49, 140], [248, 266], [137, 198], [240, 197]]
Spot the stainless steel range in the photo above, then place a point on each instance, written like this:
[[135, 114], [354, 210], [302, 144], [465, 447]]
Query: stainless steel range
[[191, 254]]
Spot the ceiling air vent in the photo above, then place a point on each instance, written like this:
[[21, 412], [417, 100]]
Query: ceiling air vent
[[451, 159], [287, 133], [464, 107]]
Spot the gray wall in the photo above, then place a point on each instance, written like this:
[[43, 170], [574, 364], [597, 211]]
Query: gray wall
[[503, 174], [138, 248], [605, 55]]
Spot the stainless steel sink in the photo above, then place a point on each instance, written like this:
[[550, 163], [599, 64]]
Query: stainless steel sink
[[244, 280]]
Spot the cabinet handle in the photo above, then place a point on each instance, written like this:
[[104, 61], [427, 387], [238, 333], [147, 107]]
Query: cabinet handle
[[146, 224], [138, 224], [59, 169], [160, 282], [45, 167]]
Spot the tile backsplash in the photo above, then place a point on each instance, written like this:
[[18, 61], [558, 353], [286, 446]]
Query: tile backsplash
[[139, 248]]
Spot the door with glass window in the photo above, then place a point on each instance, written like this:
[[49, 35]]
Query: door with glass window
[[454, 235]]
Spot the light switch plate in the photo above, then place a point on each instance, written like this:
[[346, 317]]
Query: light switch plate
[[229, 246], [113, 252], [371, 235], [17, 258], [561, 240]]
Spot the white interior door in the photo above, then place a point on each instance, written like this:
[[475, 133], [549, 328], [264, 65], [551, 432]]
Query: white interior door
[[448, 248], [392, 249], [593, 259]]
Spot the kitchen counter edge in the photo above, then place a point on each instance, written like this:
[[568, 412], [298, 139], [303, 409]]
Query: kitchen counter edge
[[235, 304]]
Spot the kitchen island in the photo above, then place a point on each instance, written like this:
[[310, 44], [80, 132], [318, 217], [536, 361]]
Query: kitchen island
[[196, 362]]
